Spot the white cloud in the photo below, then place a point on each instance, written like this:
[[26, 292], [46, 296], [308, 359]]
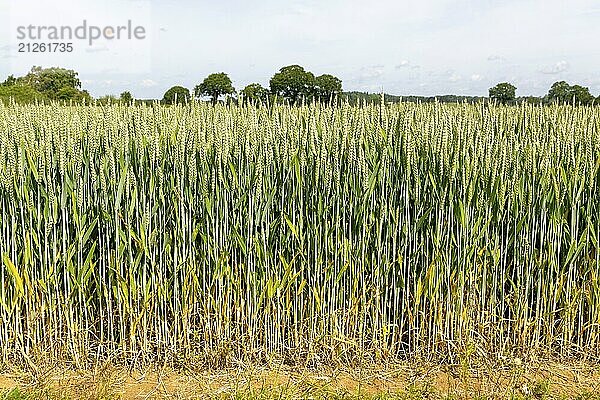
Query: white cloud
[[454, 77], [371, 72], [403, 64], [148, 83], [476, 77], [557, 68]]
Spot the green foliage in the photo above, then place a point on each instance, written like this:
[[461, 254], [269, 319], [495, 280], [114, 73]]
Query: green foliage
[[108, 99], [177, 95], [10, 81], [540, 389], [49, 81], [44, 84], [14, 394], [531, 100], [355, 98], [327, 86], [21, 94], [72, 94], [126, 97], [562, 92], [215, 86], [293, 83], [503, 92], [256, 93], [581, 95]]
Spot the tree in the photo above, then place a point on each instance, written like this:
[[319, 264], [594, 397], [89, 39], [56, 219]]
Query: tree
[[126, 97], [560, 91], [108, 99], [293, 83], [71, 94], [327, 86], [530, 100], [176, 95], [66, 93], [50, 80], [20, 94], [581, 95], [10, 81], [215, 86], [255, 92], [503, 92]]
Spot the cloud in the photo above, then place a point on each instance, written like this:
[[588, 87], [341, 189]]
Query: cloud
[[454, 77], [496, 58], [371, 72], [557, 68], [403, 64], [148, 83], [476, 77]]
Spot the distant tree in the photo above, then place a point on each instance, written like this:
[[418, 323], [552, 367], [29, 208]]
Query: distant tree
[[503, 92], [215, 86], [176, 95], [126, 97], [50, 80], [21, 94], [531, 100], [10, 81], [327, 86], [255, 92], [581, 95], [108, 99], [67, 93], [293, 83], [560, 91]]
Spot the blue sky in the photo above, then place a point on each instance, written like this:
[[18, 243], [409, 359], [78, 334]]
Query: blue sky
[[405, 47]]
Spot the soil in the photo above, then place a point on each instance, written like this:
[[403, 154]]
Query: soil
[[546, 380]]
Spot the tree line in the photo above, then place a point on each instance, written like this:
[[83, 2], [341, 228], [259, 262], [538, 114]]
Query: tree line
[[560, 92], [292, 83], [42, 84]]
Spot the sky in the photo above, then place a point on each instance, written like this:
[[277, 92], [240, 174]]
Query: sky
[[426, 47]]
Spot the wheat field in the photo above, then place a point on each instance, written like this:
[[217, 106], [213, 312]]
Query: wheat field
[[314, 234]]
